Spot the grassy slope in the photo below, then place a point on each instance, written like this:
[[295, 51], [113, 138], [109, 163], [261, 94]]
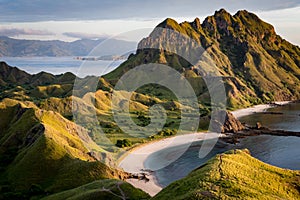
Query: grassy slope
[[103, 189], [239, 176], [41, 147]]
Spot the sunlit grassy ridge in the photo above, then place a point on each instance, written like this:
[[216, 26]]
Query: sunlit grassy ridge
[[103, 189], [235, 175], [232, 175], [42, 149]]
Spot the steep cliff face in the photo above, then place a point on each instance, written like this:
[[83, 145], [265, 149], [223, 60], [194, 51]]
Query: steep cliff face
[[256, 64]]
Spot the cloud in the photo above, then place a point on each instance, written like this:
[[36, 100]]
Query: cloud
[[37, 10], [12, 32], [85, 35]]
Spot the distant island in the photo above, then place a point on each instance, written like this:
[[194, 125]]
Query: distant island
[[105, 57]]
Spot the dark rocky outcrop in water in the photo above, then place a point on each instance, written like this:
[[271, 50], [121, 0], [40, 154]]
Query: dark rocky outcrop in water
[[232, 124], [266, 131], [225, 122]]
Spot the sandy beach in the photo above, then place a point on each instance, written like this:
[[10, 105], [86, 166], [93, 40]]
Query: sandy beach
[[256, 109], [134, 161]]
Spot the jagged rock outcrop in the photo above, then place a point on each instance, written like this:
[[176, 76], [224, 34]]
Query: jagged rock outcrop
[[232, 124], [225, 122]]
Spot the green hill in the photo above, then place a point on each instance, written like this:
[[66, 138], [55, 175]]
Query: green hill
[[255, 63], [232, 175], [56, 93], [235, 175], [103, 189], [41, 149], [18, 84]]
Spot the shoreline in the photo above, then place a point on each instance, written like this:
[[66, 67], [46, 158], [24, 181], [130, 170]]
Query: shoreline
[[257, 108], [139, 154]]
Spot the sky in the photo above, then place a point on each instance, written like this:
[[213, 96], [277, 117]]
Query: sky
[[70, 20]]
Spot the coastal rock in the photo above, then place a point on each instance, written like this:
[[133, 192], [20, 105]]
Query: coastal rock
[[232, 124], [225, 122], [258, 125]]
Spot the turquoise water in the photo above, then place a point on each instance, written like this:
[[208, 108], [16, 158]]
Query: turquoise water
[[276, 150]]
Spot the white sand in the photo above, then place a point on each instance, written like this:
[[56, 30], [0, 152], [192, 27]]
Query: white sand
[[134, 161], [256, 109], [248, 111]]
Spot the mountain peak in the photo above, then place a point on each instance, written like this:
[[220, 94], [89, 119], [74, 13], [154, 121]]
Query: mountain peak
[[247, 14], [222, 16], [196, 24], [242, 12], [222, 11], [254, 23], [169, 23], [242, 46]]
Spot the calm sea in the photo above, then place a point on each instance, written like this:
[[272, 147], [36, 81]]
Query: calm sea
[[276, 150], [58, 65]]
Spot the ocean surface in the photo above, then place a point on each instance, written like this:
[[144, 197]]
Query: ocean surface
[[279, 151], [287, 118], [59, 65]]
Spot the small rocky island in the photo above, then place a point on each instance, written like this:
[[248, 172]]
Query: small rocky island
[[234, 129]]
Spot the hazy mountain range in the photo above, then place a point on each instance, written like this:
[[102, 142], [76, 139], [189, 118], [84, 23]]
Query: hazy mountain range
[[16, 47]]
